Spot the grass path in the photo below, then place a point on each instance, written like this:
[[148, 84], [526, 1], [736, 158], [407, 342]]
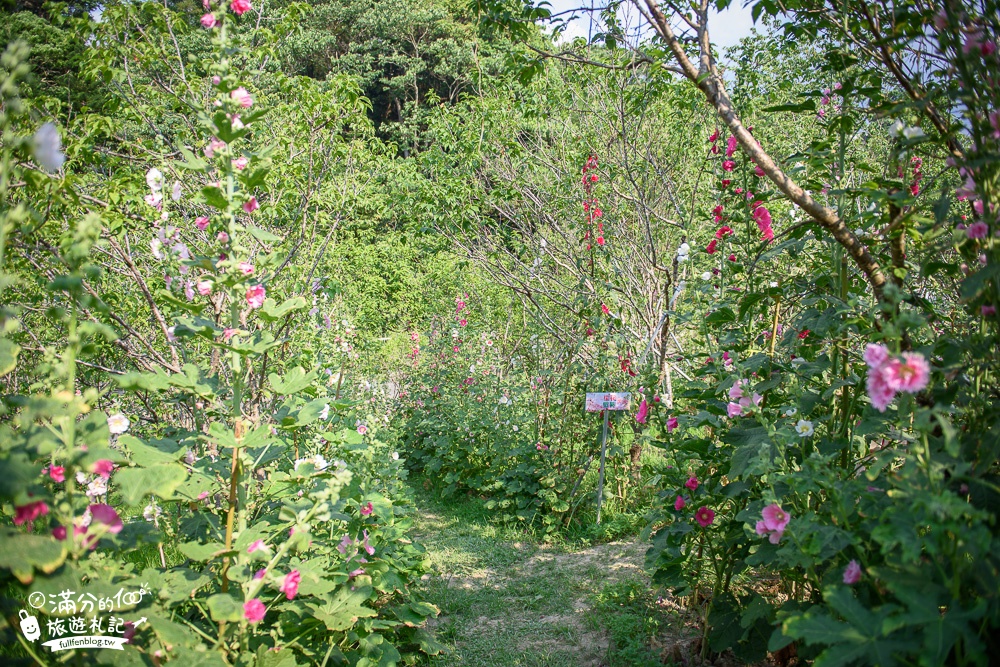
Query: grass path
[[507, 600]]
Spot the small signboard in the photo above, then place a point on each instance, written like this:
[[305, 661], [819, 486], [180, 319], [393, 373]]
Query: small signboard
[[596, 402]]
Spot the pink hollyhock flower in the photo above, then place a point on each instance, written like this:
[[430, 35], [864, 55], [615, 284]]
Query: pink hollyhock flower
[[692, 483], [223, 237], [201, 222], [246, 268], [728, 165], [879, 391], [106, 515], [462, 322], [242, 97], [732, 257], [910, 374], [734, 410], [59, 532], [227, 333], [679, 503], [290, 584], [204, 287], [28, 513], [736, 391], [730, 146], [209, 21], [714, 136], [605, 309], [600, 240], [367, 509], [241, 163], [255, 296], [643, 414], [711, 246], [775, 518], [852, 573], [704, 516], [988, 311], [259, 574], [758, 171], [671, 424], [253, 610], [723, 231], [256, 545], [978, 230], [251, 205], [57, 473], [876, 355], [240, 7], [103, 467], [345, 543]]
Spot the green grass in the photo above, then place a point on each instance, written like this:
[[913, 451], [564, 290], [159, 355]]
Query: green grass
[[508, 597]]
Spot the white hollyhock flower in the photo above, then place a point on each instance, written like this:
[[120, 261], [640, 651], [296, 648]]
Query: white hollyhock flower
[[118, 424], [913, 133], [706, 276], [156, 245], [176, 193], [804, 428], [790, 412], [395, 456], [47, 147], [896, 129], [325, 412], [154, 179]]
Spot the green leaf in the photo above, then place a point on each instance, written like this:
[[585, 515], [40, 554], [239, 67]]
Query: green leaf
[[294, 381], [721, 316], [23, 554], [162, 480], [271, 311], [202, 552], [223, 607], [343, 610], [262, 235]]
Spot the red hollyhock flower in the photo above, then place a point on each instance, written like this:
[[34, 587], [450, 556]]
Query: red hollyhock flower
[[711, 247]]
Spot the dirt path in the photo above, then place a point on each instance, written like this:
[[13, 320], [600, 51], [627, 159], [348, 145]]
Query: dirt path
[[509, 602]]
